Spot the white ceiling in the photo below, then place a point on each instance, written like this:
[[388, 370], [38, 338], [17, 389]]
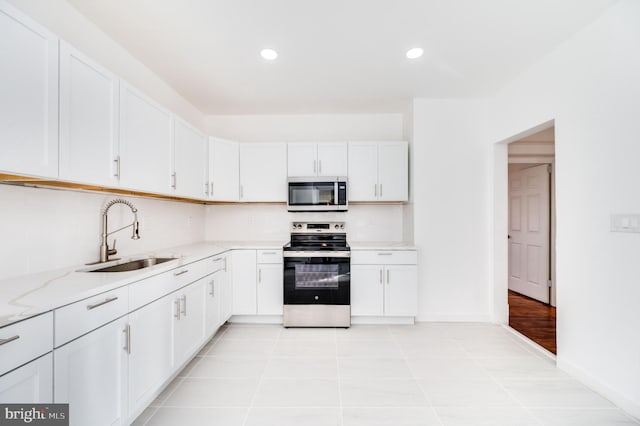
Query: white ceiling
[[336, 56]]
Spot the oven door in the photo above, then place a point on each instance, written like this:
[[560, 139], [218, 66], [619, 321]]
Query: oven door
[[318, 279]]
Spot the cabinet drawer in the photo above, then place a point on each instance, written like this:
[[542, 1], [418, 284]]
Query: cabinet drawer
[[26, 340], [146, 291], [269, 256], [81, 317], [217, 263], [384, 257], [190, 272]]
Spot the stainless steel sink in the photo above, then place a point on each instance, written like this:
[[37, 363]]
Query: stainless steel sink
[[133, 265]]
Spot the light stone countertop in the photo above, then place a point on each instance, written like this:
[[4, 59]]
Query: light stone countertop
[[29, 295]]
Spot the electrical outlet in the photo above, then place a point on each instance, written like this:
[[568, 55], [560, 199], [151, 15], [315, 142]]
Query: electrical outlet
[[625, 223]]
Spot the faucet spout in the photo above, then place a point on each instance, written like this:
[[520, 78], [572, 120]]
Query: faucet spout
[[105, 251]]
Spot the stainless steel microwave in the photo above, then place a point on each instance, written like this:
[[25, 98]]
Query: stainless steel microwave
[[317, 194]]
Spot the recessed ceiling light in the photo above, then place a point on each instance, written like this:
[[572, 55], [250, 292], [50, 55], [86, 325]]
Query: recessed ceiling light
[[269, 54], [414, 53]]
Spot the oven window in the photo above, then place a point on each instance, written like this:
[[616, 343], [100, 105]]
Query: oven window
[[314, 276]]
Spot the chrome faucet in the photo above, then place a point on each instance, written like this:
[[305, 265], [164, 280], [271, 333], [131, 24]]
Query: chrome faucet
[[105, 251]]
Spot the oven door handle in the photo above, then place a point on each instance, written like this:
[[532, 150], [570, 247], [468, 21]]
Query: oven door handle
[[316, 254]]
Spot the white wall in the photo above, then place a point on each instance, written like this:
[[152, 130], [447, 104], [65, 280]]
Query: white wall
[[270, 222], [287, 128], [45, 229], [451, 209], [70, 25], [590, 86]]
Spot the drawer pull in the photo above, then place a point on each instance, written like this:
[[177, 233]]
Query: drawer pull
[[184, 305], [385, 254], [127, 332], [270, 252], [184, 271], [104, 302], [217, 259], [10, 339]]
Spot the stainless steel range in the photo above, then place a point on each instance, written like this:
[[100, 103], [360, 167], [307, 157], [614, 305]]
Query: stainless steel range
[[317, 267]]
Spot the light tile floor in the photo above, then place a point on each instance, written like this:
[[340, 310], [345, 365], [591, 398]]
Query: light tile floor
[[422, 375]]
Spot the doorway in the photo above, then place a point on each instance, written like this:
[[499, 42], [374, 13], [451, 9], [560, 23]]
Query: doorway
[[531, 237]]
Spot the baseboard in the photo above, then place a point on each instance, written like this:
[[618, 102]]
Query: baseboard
[[631, 407], [256, 319], [383, 320], [455, 318]]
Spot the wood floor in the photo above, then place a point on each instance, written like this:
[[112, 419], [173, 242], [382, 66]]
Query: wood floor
[[534, 319]]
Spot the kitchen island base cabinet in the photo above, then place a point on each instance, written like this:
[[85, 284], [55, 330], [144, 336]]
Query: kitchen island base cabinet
[[32, 383], [91, 376]]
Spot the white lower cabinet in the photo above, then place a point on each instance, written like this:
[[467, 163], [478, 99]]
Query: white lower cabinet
[[151, 351], [384, 289], [188, 323], [33, 383], [269, 289], [244, 272], [257, 282], [91, 376]]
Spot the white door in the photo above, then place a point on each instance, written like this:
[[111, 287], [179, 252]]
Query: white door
[[90, 374], [151, 350], [401, 289], [28, 96], [263, 172], [367, 290], [332, 159], [188, 331], [269, 291], [363, 171], [301, 159], [393, 171], [30, 384], [224, 170], [145, 143], [529, 232], [189, 161], [88, 120], [243, 277]]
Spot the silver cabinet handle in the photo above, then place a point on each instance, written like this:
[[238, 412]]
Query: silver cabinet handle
[[206, 189], [104, 302], [259, 275], [388, 281], [183, 299], [9, 339], [177, 305], [174, 179], [212, 293], [217, 259], [380, 276], [381, 190], [319, 166], [225, 264], [270, 252], [314, 167], [385, 254], [117, 172], [375, 189], [177, 274], [241, 192], [211, 188], [127, 338]]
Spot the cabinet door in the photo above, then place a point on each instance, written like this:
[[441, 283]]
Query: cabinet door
[[28, 96], [332, 159], [213, 287], [91, 376], [270, 289], [88, 120], [31, 383], [363, 171], [367, 290], [393, 171], [151, 350], [224, 170], [145, 143], [243, 275], [263, 172], [188, 331], [401, 290], [226, 294], [301, 159], [189, 161]]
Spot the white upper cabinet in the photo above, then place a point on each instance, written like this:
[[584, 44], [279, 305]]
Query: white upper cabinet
[[263, 172], [88, 120], [145, 143], [317, 159], [28, 96], [378, 171], [189, 177], [224, 170]]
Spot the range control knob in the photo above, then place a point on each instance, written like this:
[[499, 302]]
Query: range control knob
[[342, 226], [337, 226]]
